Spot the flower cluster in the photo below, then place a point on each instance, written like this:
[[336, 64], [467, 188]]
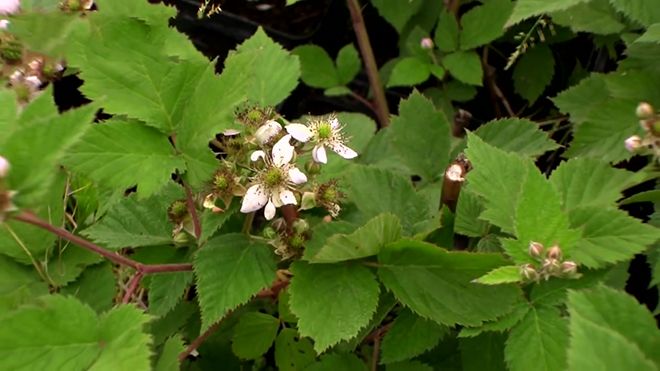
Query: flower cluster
[[649, 120], [260, 163], [550, 263]]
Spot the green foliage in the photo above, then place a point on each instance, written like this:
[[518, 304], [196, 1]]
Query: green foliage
[[446, 35], [524, 9], [506, 274], [638, 10], [292, 352], [230, 270], [166, 291], [364, 241], [134, 222], [596, 16], [18, 285], [406, 268], [534, 72], [323, 315], [397, 12], [484, 23], [410, 336], [516, 135], [169, 357], [464, 66], [44, 336], [409, 71], [254, 334], [610, 330], [538, 341]]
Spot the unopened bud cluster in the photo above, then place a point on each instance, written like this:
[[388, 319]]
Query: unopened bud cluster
[[649, 120], [549, 263]]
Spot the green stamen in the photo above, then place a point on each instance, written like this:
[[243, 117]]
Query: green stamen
[[324, 131], [274, 177]]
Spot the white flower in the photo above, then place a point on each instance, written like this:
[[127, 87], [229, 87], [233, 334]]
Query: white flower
[[4, 167], [267, 131], [272, 186], [4, 24], [9, 6], [323, 133]]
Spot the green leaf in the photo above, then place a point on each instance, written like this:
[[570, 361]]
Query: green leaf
[[272, 72], [68, 263], [316, 67], [365, 241], [581, 99], [16, 237], [375, 191], [446, 33], [524, 9], [409, 71], [595, 16], [409, 366], [642, 11], [538, 342], [501, 324], [62, 333], [293, 353], [506, 274], [609, 236], [539, 217], [19, 284], [591, 182], [652, 35], [322, 233], [333, 362], [610, 330], [437, 284], [133, 222], [468, 209], [483, 353], [121, 154], [323, 315], [516, 135], [397, 12], [348, 64], [337, 91], [464, 66], [419, 122], [496, 177], [485, 23], [254, 334], [230, 269], [410, 336], [151, 14], [96, 287], [167, 290], [47, 33], [534, 72], [169, 356], [34, 168]]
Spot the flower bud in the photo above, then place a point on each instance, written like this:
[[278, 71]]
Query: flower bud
[[535, 249], [308, 201], [4, 167], [267, 131], [300, 226], [569, 267], [554, 253], [528, 272], [551, 266], [181, 238], [644, 111], [426, 43], [633, 143], [269, 233]]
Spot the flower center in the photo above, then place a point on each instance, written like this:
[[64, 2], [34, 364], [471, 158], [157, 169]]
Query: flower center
[[273, 177], [220, 182], [324, 131]]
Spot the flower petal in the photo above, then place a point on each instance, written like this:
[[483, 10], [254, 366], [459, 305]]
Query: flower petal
[[269, 211], [283, 151], [319, 155], [256, 155], [343, 150], [334, 123], [288, 198], [296, 176], [230, 132], [255, 198], [267, 131], [299, 132]]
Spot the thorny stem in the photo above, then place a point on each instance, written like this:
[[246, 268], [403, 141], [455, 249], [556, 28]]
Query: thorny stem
[[133, 284], [30, 218], [382, 111], [190, 204], [199, 340], [375, 354]]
